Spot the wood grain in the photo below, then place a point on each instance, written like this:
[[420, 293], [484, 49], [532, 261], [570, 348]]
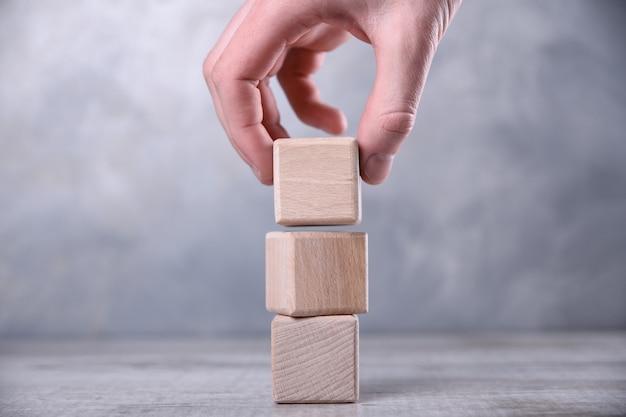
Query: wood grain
[[315, 359], [316, 273], [316, 182]]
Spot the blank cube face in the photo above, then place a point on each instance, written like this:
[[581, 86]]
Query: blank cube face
[[316, 273], [315, 359], [316, 182]]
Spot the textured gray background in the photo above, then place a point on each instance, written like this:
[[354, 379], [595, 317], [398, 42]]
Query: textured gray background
[[124, 210]]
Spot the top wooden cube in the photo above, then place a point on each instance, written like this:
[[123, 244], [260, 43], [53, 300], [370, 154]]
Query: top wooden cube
[[316, 182]]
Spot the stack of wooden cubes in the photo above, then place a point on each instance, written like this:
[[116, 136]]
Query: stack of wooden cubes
[[316, 281]]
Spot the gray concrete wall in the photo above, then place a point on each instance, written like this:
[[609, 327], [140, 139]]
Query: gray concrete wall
[[124, 210]]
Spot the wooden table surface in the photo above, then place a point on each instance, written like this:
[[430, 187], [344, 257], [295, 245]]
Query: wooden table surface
[[556, 374]]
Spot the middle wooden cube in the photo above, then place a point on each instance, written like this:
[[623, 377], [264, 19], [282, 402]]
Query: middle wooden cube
[[314, 273]]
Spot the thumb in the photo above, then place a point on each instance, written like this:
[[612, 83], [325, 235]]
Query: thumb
[[402, 64]]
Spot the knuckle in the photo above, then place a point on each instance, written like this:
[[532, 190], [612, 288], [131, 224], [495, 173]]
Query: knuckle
[[213, 70], [398, 122], [208, 64]]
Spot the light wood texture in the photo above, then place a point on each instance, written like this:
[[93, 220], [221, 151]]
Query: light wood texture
[[315, 359], [316, 273], [316, 182], [505, 375]]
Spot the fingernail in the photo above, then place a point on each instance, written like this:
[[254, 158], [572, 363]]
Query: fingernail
[[377, 167], [257, 173]]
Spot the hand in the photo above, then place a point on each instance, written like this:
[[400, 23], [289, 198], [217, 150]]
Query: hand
[[288, 39]]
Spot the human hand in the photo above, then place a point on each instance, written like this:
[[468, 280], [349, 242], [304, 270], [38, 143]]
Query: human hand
[[288, 39]]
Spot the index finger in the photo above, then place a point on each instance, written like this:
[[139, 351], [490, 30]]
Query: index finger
[[252, 53]]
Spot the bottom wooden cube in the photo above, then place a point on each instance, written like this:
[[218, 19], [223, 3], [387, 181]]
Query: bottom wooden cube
[[315, 359]]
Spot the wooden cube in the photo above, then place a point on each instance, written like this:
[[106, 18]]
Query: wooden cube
[[316, 182], [315, 359], [316, 273]]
